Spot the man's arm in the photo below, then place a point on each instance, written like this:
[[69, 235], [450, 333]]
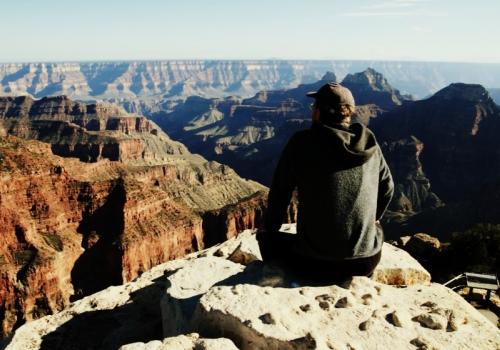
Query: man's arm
[[385, 187], [281, 190]]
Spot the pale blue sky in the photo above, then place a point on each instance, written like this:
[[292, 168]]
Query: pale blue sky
[[77, 30]]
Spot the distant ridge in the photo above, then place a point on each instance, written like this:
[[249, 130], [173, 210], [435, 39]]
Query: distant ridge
[[140, 86]]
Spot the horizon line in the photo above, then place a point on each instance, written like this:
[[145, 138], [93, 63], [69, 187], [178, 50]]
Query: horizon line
[[244, 59]]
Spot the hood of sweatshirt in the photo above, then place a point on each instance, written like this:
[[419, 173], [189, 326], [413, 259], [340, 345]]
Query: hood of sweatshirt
[[356, 144]]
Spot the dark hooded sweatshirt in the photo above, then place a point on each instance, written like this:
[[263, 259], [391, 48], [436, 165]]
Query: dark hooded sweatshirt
[[344, 186]]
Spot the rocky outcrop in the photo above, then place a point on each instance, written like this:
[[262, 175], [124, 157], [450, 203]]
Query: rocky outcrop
[[260, 306], [88, 132], [412, 192], [363, 314], [69, 229], [371, 87]]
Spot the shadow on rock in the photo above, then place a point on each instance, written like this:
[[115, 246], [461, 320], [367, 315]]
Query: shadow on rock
[[100, 266], [137, 320], [178, 311], [277, 274]]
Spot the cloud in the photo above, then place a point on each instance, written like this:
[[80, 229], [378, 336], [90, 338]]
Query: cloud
[[370, 13], [395, 8], [394, 4], [393, 14]]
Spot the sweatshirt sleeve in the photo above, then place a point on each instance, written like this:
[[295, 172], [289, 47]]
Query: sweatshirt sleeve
[[385, 187], [281, 190]]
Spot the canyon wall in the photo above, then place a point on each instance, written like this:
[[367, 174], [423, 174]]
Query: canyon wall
[[73, 225]]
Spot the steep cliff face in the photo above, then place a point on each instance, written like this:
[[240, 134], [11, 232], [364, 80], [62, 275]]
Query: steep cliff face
[[39, 211], [413, 190], [459, 126], [88, 132], [70, 228]]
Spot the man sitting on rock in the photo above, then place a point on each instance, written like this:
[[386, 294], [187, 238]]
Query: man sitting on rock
[[344, 186]]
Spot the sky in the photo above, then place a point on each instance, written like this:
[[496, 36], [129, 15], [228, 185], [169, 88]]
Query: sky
[[87, 30]]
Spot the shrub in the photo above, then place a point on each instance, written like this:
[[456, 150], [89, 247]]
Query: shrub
[[477, 249], [53, 241]]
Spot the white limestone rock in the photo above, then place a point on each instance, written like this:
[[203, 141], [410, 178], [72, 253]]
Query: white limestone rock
[[184, 342], [418, 316], [258, 298], [397, 267], [185, 287]]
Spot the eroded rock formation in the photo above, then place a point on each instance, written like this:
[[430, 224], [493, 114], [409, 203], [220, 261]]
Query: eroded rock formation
[[458, 126], [371, 87], [412, 188], [141, 86], [88, 132], [249, 134], [69, 229]]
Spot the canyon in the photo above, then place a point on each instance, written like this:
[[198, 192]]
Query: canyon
[[441, 150], [105, 197], [93, 196], [249, 134]]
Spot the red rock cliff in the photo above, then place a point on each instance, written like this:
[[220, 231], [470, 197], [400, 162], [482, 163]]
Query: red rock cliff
[[68, 229]]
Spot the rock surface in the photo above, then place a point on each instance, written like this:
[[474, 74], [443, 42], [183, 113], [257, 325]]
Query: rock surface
[[361, 315], [371, 87], [412, 187], [184, 342], [88, 132], [257, 307], [458, 126]]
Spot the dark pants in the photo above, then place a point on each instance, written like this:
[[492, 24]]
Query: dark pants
[[278, 247]]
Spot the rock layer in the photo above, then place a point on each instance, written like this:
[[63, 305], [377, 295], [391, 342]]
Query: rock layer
[[140, 85], [88, 132], [69, 229], [371, 87]]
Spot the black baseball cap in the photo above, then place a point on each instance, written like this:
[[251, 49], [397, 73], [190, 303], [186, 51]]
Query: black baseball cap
[[333, 94]]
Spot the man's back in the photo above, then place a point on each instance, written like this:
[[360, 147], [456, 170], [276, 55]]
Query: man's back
[[344, 186]]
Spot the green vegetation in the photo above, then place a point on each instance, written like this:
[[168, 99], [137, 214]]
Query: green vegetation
[[23, 257], [54, 241], [477, 249]]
